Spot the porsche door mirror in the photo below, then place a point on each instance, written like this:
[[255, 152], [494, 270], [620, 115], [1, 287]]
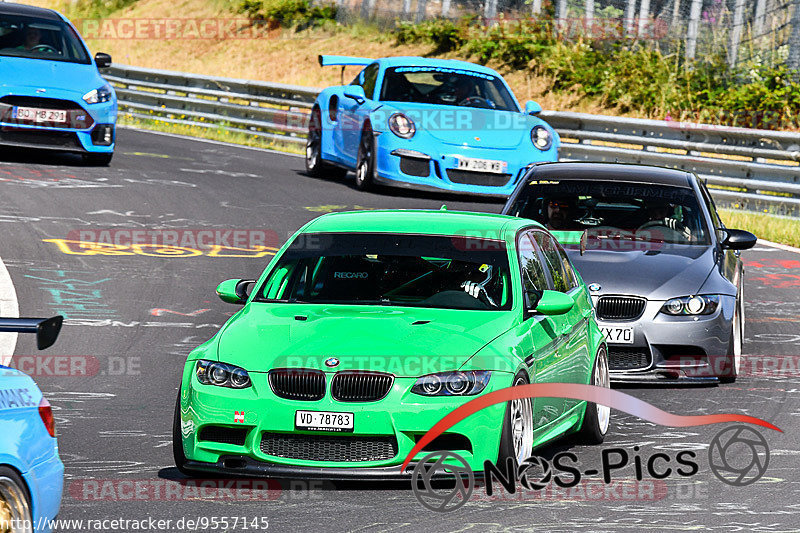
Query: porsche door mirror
[[356, 92], [532, 108]]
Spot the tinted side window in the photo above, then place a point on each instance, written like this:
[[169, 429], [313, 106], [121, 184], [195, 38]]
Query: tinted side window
[[366, 79], [533, 278], [560, 270], [712, 209]]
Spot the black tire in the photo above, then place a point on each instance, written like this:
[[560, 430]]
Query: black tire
[[365, 163], [315, 165], [98, 160], [507, 448], [593, 430], [177, 439], [15, 498], [729, 371]]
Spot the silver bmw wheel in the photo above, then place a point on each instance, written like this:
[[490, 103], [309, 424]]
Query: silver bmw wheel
[[602, 379], [15, 512], [521, 425]]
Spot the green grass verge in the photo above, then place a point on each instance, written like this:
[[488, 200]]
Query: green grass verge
[[783, 230], [217, 133]]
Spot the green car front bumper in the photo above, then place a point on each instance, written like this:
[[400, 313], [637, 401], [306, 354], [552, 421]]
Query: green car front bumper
[[233, 431]]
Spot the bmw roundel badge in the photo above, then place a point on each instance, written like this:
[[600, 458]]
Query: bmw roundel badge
[[331, 362], [594, 287]]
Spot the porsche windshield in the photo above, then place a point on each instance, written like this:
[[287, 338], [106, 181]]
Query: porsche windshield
[[36, 38], [446, 86], [615, 210], [391, 269]]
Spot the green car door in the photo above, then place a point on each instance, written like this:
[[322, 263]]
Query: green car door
[[543, 334]]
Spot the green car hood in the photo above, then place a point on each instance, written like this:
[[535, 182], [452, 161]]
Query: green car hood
[[401, 340]]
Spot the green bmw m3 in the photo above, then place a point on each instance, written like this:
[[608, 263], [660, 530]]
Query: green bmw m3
[[367, 328]]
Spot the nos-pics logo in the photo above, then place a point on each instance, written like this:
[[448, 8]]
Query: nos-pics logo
[[443, 480]]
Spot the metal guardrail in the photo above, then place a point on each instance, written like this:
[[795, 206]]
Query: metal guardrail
[[749, 169]]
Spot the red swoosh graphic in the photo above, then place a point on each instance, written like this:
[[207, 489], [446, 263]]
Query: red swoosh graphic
[[590, 393]]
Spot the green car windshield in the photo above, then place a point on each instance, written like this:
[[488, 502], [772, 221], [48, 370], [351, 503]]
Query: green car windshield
[[392, 269]]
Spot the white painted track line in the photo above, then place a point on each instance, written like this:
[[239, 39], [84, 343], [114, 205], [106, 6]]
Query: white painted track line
[[9, 308]]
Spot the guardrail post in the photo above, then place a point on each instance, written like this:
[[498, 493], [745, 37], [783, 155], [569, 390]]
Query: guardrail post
[[588, 20], [445, 8], [561, 14], [536, 7], [694, 26], [421, 10]]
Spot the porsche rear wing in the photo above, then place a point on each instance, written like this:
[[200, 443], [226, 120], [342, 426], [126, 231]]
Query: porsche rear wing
[[329, 61], [46, 329]]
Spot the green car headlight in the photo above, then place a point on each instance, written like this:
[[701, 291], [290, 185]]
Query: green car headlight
[[468, 383], [222, 375], [691, 305]]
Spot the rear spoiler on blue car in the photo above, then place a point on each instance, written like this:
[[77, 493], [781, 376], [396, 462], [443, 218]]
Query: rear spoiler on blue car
[[46, 329], [328, 61]]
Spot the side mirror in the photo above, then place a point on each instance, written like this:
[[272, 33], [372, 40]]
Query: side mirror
[[554, 303], [356, 92], [532, 108], [737, 239], [234, 291], [102, 60], [46, 329]]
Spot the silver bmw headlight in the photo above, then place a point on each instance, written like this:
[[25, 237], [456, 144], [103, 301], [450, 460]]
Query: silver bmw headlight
[[691, 305]]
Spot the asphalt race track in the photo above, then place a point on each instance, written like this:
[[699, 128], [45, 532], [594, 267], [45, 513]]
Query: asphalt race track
[[135, 315]]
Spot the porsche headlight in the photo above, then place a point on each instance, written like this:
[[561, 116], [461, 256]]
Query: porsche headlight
[[541, 138], [467, 383], [691, 305], [222, 375], [402, 126], [98, 96]]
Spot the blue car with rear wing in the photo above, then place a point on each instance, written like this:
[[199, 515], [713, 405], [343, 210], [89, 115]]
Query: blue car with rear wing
[[31, 472], [430, 124], [51, 93]]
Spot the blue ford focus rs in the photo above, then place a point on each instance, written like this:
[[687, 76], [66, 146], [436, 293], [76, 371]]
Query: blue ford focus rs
[[430, 124], [31, 472], [51, 93]]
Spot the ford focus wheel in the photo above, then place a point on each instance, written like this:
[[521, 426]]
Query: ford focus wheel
[[15, 506]]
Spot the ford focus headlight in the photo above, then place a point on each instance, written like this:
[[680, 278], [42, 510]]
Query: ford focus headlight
[[541, 138], [467, 383], [222, 375], [691, 305], [402, 126], [98, 96]]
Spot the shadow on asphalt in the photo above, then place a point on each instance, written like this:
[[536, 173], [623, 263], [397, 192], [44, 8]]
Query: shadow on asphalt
[[41, 157]]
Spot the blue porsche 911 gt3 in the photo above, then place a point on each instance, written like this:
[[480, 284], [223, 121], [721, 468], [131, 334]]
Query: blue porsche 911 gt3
[[51, 94], [430, 124]]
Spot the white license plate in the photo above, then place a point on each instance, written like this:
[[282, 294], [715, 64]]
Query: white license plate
[[618, 334], [323, 421], [482, 165], [35, 114]]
